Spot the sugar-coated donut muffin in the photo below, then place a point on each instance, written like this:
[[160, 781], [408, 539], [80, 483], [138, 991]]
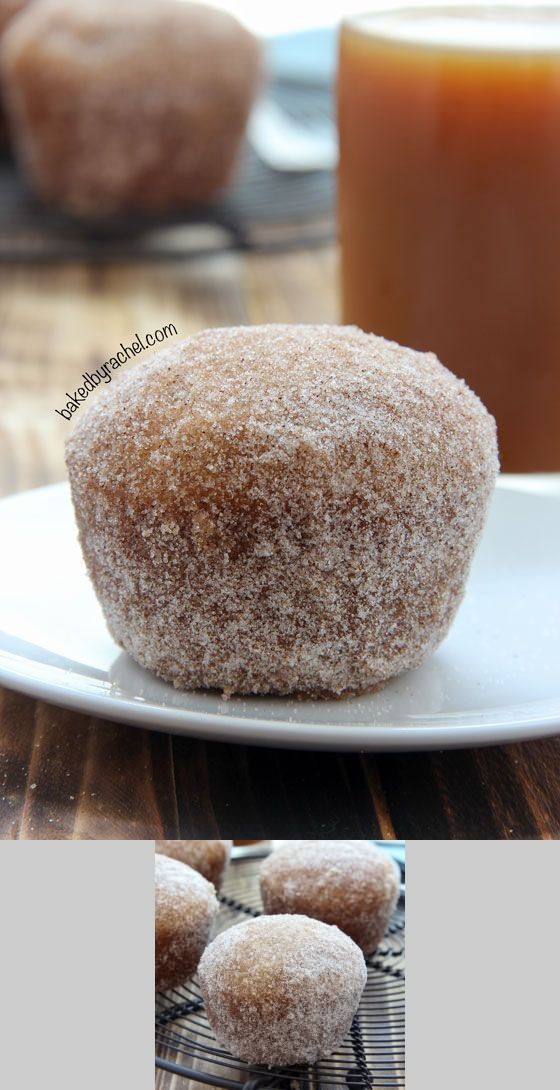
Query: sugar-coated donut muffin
[[281, 989], [185, 910], [282, 509], [208, 857], [135, 105], [8, 8], [350, 883]]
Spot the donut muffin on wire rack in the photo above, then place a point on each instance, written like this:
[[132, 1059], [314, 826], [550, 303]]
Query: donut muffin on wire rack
[[135, 106], [282, 509], [281, 989], [350, 883], [208, 857], [185, 910]]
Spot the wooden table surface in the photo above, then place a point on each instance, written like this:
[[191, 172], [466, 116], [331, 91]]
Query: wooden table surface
[[66, 775]]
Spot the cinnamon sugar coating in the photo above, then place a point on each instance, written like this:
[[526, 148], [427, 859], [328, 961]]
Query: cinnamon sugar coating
[[8, 9], [185, 910], [281, 990], [282, 509], [350, 883], [209, 857], [135, 105]]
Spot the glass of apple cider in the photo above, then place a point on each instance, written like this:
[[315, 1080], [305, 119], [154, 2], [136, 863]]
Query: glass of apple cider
[[449, 201]]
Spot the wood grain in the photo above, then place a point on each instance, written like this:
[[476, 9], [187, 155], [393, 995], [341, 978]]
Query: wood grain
[[64, 775], [67, 776]]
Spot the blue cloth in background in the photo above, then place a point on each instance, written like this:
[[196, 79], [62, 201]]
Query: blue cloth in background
[[395, 848], [309, 56]]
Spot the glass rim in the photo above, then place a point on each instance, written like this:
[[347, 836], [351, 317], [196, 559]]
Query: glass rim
[[388, 25]]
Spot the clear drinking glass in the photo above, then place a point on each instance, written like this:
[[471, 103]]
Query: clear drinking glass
[[449, 123]]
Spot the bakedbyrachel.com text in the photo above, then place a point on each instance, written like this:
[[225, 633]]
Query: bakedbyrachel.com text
[[92, 379]]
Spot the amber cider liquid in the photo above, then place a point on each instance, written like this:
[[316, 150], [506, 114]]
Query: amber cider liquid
[[449, 202]]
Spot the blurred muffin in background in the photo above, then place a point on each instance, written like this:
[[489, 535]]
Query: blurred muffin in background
[[8, 8], [127, 105]]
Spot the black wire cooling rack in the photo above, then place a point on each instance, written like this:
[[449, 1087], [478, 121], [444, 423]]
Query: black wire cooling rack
[[371, 1057]]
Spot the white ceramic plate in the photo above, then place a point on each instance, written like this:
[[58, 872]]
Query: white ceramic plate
[[496, 677]]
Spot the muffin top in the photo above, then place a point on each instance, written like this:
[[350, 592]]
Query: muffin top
[[271, 960], [235, 418], [331, 868], [97, 31], [209, 857], [181, 893]]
